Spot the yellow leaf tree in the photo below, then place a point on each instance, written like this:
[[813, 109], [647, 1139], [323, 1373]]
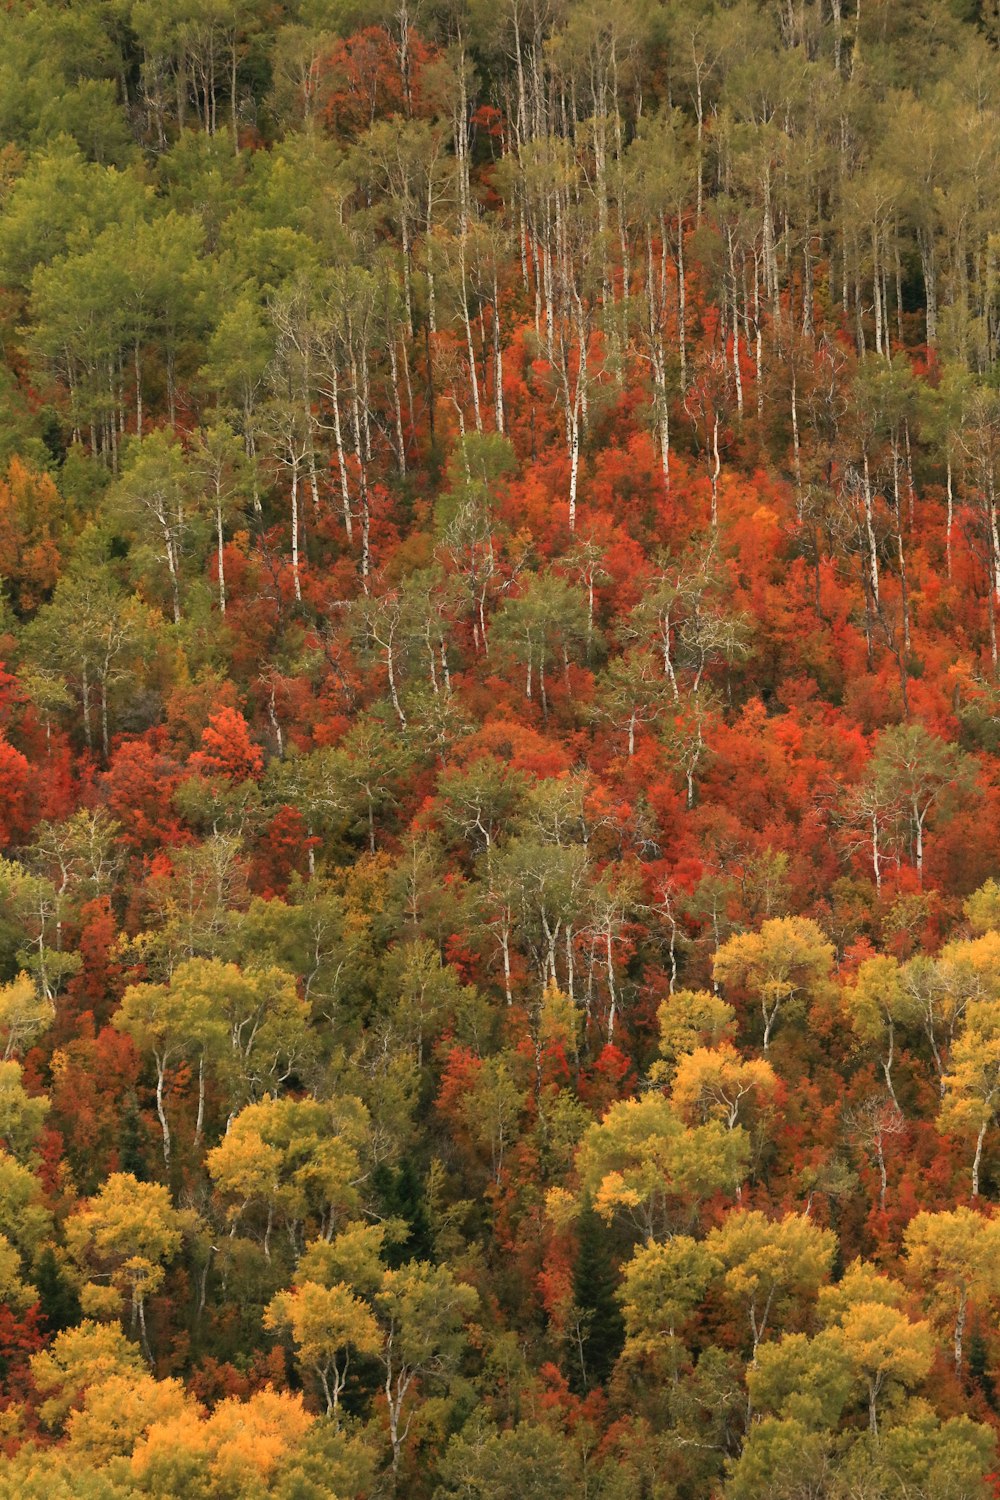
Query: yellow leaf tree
[[789, 959], [770, 1263], [972, 1085], [877, 1003], [325, 1324], [124, 1238], [689, 1019], [294, 1162], [953, 1258], [643, 1162], [716, 1083], [79, 1359]]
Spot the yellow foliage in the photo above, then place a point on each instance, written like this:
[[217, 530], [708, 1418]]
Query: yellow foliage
[[788, 959], [716, 1083], [248, 1438], [693, 1018], [23, 1014], [78, 1358], [101, 1302], [14, 1291], [325, 1322], [118, 1411]]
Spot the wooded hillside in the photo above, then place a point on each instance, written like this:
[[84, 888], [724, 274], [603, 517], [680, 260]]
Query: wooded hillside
[[499, 728]]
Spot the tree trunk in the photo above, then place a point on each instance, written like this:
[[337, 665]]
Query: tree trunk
[[161, 1113], [977, 1159]]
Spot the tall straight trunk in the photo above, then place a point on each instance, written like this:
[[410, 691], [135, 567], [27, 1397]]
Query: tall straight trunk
[[977, 1159], [873, 574], [715, 470], [960, 1329], [200, 1118], [497, 358], [397, 404], [338, 440], [925, 242], [877, 292], [359, 450], [233, 119], [175, 590], [900, 549], [796, 448], [161, 1112], [221, 557], [469, 345], [574, 457]]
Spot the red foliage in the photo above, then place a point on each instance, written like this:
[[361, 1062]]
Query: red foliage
[[139, 786], [283, 851], [227, 749], [17, 797]]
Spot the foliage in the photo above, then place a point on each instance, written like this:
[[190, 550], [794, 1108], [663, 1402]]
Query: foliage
[[499, 660]]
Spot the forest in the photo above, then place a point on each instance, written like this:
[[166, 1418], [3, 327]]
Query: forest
[[499, 734]]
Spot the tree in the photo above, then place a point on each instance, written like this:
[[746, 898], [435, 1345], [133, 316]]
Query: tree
[[23, 1014], [297, 1162], [268, 1024], [770, 1263], [640, 1161], [942, 990], [250, 1025], [325, 1324], [526, 1462], [662, 1286], [952, 1256], [877, 1002], [690, 1019], [30, 516], [714, 1082], [537, 898], [226, 748], [98, 640], [596, 1317], [173, 1021], [117, 1413], [540, 628], [220, 462], [788, 960], [240, 1446], [871, 1122], [971, 1099], [982, 908], [422, 1310], [425, 993], [25, 1219], [804, 1380], [885, 1350], [480, 800], [918, 770], [124, 1237], [633, 694], [80, 1359], [21, 1115], [153, 501]]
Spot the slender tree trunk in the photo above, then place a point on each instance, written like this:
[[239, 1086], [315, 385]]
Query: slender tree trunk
[[221, 557], [200, 1120], [295, 533], [977, 1159], [161, 1112]]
